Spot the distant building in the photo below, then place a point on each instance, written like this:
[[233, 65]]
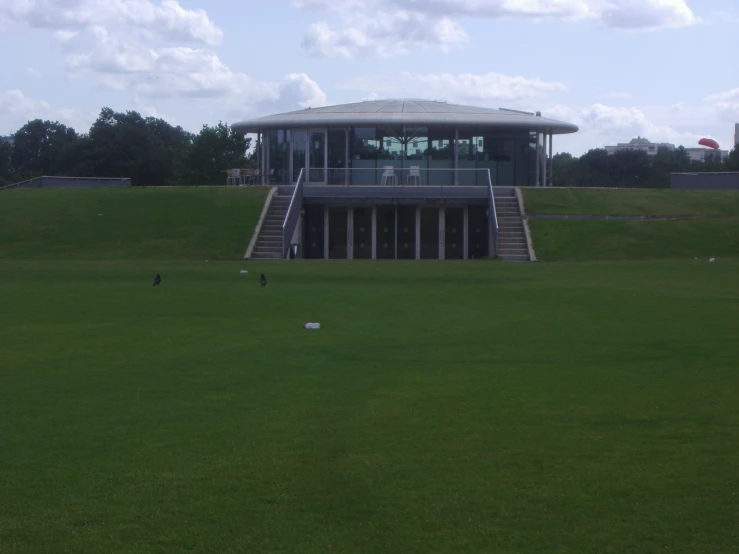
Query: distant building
[[736, 134], [642, 144], [706, 154], [651, 148]]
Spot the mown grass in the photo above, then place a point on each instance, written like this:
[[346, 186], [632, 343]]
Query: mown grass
[[443, 407], [658, 202], [134, 223], [599, 240]]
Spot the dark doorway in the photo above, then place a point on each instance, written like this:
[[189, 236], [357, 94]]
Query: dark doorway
[[454, 233], [337, 233], [362, 243], [429, 233], [313, 232], [477, 221], [385, 232], [407, 232]]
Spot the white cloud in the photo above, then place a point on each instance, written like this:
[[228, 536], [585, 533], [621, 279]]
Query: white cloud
[[386, 35], [32, 73], [166, 19], [726, 104], [465, 88], [390, 27], [14, 102]]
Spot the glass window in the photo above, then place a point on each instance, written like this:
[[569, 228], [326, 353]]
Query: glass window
[[300, 147], [415, 164], [337, 159], [467, 158], [364, 150], [279, 156], [391, 141], [441, 155]]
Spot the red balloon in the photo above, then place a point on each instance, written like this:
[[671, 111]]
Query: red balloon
[[708, 142]]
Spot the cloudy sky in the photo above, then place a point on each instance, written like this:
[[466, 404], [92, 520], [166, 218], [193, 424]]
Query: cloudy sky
[[664, 69]]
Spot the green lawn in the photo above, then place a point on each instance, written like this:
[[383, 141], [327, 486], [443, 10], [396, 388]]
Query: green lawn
[[443, 407], [133, 223], [663, 202], [598, 240]]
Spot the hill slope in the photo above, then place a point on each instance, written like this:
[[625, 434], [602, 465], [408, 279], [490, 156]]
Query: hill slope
[[714, 231], [127, 224]]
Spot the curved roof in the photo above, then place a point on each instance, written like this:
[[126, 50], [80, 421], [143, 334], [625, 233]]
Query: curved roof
[[405, 112]]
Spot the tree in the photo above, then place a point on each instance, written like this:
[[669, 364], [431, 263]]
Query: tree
[[212, 151], [128, 145], [564, 170], [731, 163], [39, 147], [6, 163]]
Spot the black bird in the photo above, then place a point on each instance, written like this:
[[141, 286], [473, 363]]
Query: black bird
[[263, 280], [157, 280]]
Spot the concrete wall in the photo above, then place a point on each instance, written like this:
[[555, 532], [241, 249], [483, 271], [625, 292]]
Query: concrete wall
[[705, 181]]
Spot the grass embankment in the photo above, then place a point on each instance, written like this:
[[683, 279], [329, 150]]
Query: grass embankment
[[444, 407], [715, 232], [128, 224]]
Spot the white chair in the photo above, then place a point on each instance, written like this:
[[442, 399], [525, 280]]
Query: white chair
[[389, 176], [414, 175]]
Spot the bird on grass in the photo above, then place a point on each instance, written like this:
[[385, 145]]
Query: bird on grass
[[262, 280], [157, 280]]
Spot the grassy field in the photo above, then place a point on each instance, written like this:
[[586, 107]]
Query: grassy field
[[443, 407], [661, 202], [598, 240], [714, 232], [134, 223]]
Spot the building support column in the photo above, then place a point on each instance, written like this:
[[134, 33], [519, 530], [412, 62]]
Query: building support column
[[466, 233], [350, 233], [374, 232], [418, 232], [325, 232], [538, 158], [456, 156], [442, 233], [551, 161]]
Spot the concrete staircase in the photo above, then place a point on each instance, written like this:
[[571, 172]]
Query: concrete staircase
[[269, 242], [511, 235]]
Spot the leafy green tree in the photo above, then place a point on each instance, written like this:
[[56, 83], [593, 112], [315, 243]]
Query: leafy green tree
[[6, 163], [731, 163], [39, 148], [129, 145], [564, 170], [212, 152]]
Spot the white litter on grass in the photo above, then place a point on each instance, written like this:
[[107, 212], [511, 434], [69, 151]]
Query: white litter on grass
[[243, 272], [711, 260], [311, 326]]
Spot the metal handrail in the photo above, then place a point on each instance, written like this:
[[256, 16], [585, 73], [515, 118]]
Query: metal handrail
[[493, 215], [405, 176], [293, 213]]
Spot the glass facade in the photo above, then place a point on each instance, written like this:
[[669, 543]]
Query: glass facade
[[385, 155]]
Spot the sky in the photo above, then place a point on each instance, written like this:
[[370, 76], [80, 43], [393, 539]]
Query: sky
[[667, 70]]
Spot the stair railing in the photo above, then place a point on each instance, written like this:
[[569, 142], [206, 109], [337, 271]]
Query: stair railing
[[293, 215], [493, 217]]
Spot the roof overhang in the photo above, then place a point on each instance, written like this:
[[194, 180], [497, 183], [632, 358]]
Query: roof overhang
[[396, 113]]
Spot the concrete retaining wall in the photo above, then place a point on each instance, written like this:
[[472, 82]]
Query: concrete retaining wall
[[705, 181]]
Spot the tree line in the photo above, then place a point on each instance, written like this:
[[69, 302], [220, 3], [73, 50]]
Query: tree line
[[154, 153], [632, 168], [148, 150]]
